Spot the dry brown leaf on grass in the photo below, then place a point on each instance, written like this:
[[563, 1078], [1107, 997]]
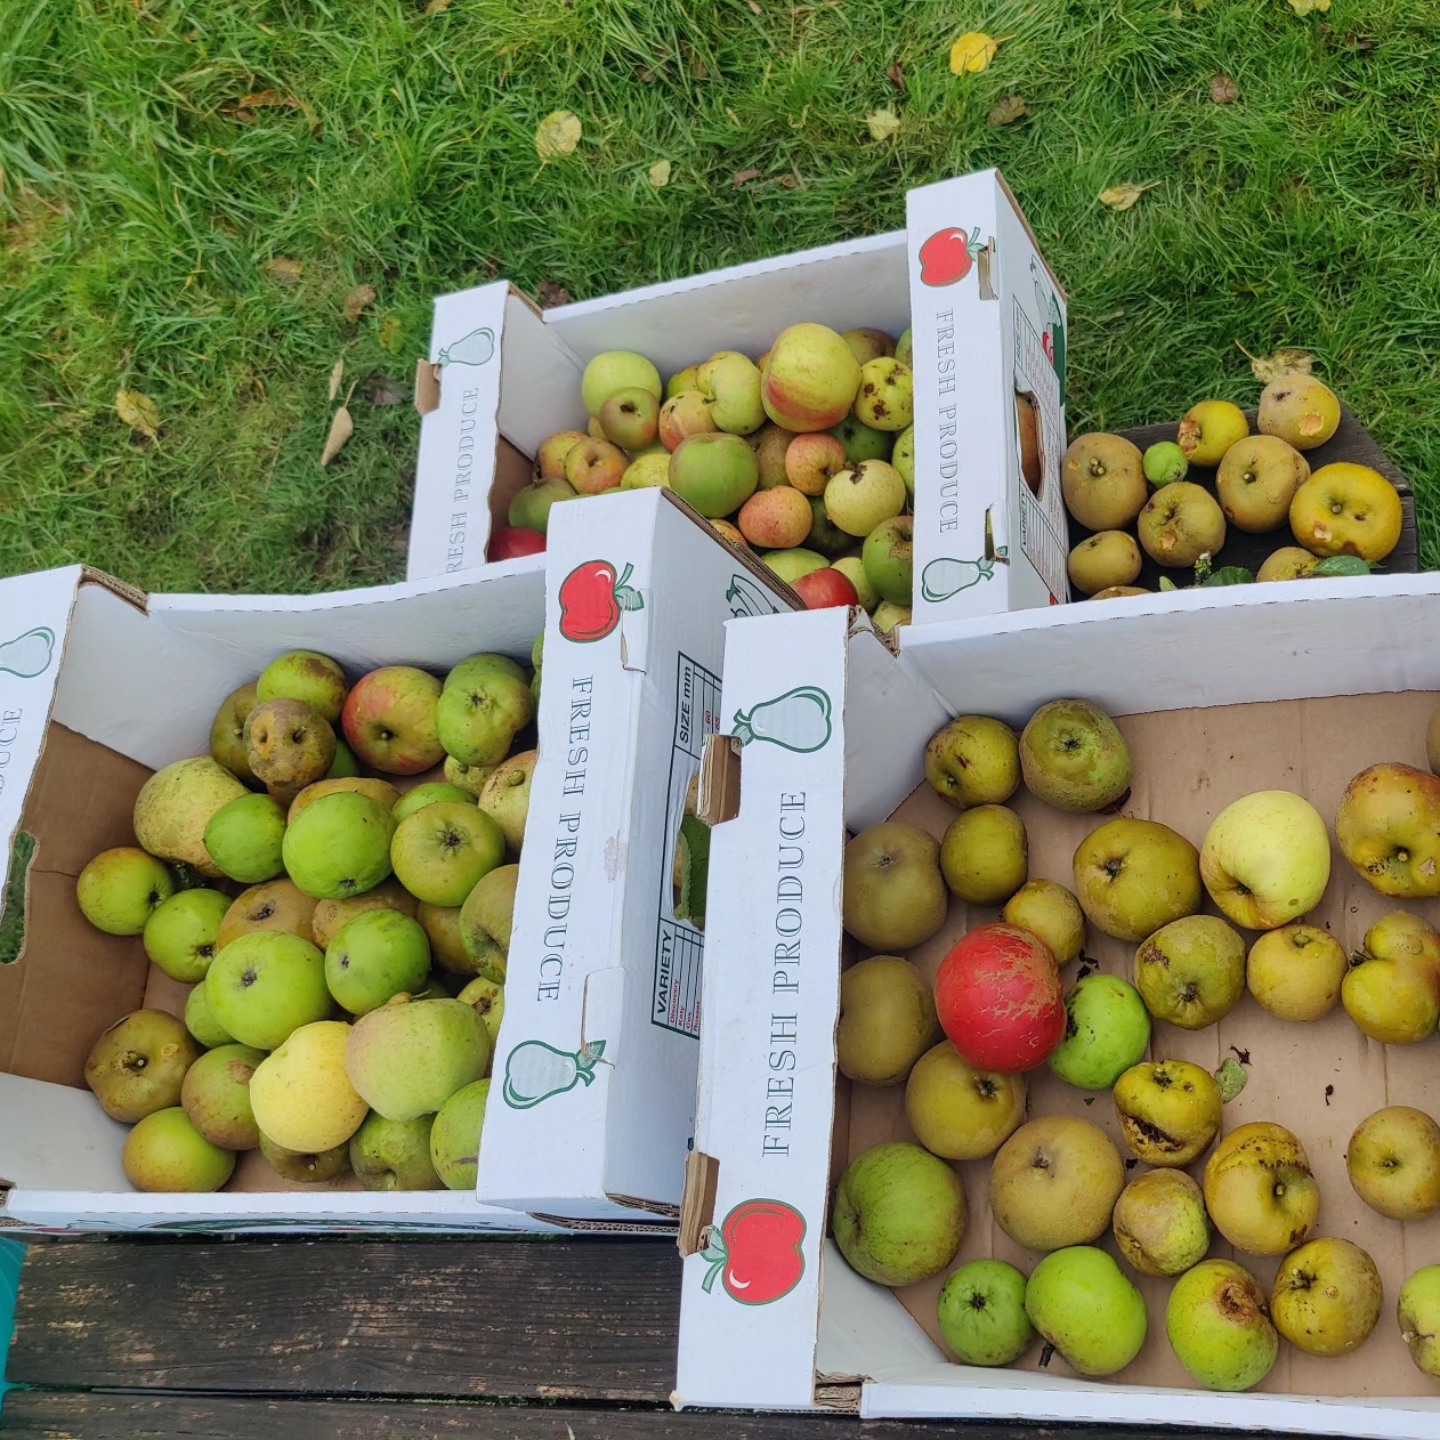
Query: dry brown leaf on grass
[[336, 376], [282, 270], [138, 412], [342, 427], [896, 76], [1266, 368], [380, 390], [1122, 197], [550, 295], [1008, 111], [267, 100], [659, 174], [557, 134], [883, 124], [743, 177], [973, 52], [356, 302], [1304, 7], [1223, 90]]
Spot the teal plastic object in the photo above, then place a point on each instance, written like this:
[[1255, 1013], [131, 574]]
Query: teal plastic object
[[12, 1256]]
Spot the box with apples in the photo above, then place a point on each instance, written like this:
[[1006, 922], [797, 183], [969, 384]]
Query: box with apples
[[752, 391], [263, 984], [984, 994]]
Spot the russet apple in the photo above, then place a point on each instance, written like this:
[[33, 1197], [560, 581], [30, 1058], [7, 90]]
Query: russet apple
[[1134, 876], [958, 1112], [1300, 409], [1388, 827], [1160, 1223], [1257, 480], [894, 896], [288, 743], [1074, 757], [1169, 1111], [1290, 562], [138, 1065], [1266, 859], [1260, 1191], [176, 804], [1100, 561], [1180, 523], [1191, 971], [1393, 1160], [1296, 972], [1326, 1297], [887, 1020], [389, 720], [1055, 1182], [973, 760], [1103, 480], [1218, 1323], [227, 733]]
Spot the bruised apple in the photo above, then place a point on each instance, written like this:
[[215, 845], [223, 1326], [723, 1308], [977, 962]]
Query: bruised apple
[[1388, 826], [1260, 1191], [999, 999]]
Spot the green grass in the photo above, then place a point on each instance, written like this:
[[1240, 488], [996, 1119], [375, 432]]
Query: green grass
[[138, 208]]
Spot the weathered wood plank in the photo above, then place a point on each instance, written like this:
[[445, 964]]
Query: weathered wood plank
[[31, 1415], [579, 1319]]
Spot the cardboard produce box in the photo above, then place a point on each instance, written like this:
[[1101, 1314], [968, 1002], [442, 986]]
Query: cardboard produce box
[[99, 686], [1217, 697], [989, 360], [594, 1105]]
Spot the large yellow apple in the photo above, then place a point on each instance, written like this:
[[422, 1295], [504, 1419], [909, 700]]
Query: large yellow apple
[[1345, 509], [1388, 826], [1260, 1190], [1266, 859], [1327, 1297]]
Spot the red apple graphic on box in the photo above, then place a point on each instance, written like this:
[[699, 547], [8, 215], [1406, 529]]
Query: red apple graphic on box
[[946, 257], [591, 599], [756, 1252]]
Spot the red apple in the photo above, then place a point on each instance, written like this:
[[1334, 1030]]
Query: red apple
[[821, 589], [389, 720], [999, 999], [757, 1252], [510, 541]]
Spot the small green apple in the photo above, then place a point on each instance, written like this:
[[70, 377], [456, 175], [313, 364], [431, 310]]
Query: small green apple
[[1218, 1324], [244, 839], [716, 473], [216, 1096], [339, 846], [861, 498], [165, 1153], [377, 955], [441, 852], [1084, 1305], [204, 1028], [394, 1154], [790, 565], [430, 794], [982, 1313], [456, 1136], [305, 675], [120, 889], [888, 556], [182, 936], [265, 985], [1107, 1030]]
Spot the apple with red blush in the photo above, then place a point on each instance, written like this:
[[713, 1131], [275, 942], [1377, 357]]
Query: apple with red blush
[[822, 589], [509, 542], [389, 720]]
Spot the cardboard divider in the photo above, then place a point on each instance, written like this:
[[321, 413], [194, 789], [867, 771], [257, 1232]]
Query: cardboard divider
[[1320, 1079]]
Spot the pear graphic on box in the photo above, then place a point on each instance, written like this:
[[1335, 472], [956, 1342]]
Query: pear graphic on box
[[944, 577], [535, 1071], [476, 348], [28, 655], [747, 598], [756, 1252], [798, 720]]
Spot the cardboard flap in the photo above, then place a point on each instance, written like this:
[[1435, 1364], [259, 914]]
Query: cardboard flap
[[35, 615], [750, 1307]]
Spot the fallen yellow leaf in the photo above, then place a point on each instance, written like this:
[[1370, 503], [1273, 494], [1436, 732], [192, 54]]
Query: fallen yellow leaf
[[138, 412], [268, 99], [1122, 197], [659, 174], [973, 52], [391, 332], [883, 124], [437, 7], [1304, 7], [282, 270], [356, 301], [342, 427], [557, 134], [1266, 368], [1007, 111]]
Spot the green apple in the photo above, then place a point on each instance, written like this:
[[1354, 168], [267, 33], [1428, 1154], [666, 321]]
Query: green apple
[[305, 1167], [959, 1113], [430, 794], [305, 675], [904, 347], [1393, 1160], [1074, 757], [456, 1136], [861, 442], [852, 567], [182, 936], [165, 1153], [377, 955], [1107, 1030], [630, 418], [861, 498], [888, 616], [1326, 1297], [227, 733], [138, 1065], [790, 565], [1266, 859], [487, 998], [650, 471], [302, 1093], [244, 838], [615, 370], [899, 1214], [1160, 1223], [1055, 1182], [985, 855], [1083, 1304], [1191, 972], [216, 1096], [1169, 1111], [1218, 1324], [530, 508], [731, 383], [886, 400], [175, 805], [204, 1028], [265, 985], [825, 536], [340, 846], [394, 1154], [716, 473], [889, 559], [469, 778], [1419, 1316], [486, 919], [409, 1057], [441, 852], [973, 760], [480, 711], [120, 889], [506, 797], [903, 458], [982, 1313], [1050, 911], [344, 766]]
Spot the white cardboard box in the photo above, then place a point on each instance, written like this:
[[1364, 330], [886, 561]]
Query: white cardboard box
[[99, 685], [594, 1103], [772, 1317], [989, 325]]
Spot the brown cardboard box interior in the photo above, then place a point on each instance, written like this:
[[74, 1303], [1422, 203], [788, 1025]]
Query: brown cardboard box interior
[[1319, 1079]]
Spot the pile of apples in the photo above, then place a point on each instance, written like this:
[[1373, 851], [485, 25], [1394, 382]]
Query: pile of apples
[[806, 455], [1345, 518], [998, 1009], [345, 942]]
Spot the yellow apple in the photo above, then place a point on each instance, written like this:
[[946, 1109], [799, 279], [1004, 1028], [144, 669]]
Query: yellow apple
[[1266, 859], [1296, 972], [1393, 1159], [1260, 1191], [1326, 1297], [959, 1113]]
